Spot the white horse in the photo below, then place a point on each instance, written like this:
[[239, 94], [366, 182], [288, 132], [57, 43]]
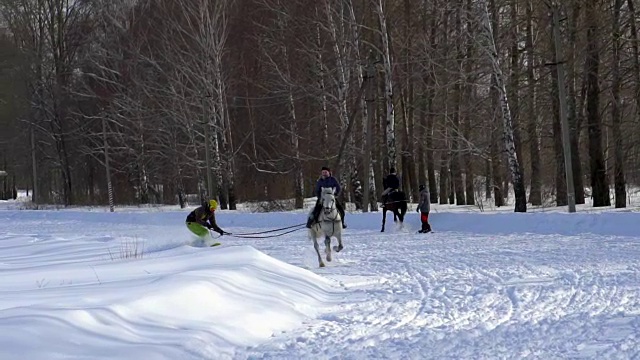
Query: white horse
[[329, 225]]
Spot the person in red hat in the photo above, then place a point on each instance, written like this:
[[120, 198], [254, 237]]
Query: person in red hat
[[328, 181]]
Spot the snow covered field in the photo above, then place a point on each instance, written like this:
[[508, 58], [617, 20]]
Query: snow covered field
[[96, 285]]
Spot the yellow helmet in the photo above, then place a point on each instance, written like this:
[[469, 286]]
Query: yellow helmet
[[213, 204]]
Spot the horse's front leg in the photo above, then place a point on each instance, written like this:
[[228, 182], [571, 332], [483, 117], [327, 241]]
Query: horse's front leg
[[317, 247], [327, 247], [384, 218], [339, 247]]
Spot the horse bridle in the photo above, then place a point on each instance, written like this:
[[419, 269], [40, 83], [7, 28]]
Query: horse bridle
[[328, 209]]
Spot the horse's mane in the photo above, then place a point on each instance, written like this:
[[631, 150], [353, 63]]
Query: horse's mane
[[327, 190]]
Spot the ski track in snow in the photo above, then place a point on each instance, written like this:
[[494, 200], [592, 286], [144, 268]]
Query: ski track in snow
[[462, 295], [443, 295]]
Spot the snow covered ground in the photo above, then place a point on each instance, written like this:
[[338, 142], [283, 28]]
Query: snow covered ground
[[88, 284]]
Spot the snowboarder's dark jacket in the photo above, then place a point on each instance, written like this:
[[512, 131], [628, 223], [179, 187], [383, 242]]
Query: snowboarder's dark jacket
[[205, 217]]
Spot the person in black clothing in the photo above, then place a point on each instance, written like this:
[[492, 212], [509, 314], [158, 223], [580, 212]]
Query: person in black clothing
[[390, 183]]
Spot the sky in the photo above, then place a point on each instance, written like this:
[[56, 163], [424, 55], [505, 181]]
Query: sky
[[84, 283]]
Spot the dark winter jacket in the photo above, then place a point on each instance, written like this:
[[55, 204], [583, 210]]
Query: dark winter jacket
[[328, 182], [205, 217], [425, 202], [391, 181]]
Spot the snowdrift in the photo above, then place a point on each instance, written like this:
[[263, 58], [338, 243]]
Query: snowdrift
[[186, 304]]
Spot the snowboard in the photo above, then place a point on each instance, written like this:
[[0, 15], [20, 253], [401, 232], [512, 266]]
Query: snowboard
[[201, 245]]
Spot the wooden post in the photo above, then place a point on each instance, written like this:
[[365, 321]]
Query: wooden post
[[34, 167], [106, 164]]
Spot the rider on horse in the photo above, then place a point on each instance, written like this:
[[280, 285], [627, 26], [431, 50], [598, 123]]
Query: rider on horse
[[328, 181], [390, 183]]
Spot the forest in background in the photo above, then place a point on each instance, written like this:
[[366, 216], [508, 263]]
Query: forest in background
[[139, 99]]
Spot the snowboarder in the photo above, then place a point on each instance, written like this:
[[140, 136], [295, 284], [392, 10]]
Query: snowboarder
[[200, 220], [328, 181], [424, 207]]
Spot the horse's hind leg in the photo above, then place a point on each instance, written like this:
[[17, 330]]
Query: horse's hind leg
[[384, 218], [327, 247], [317, 247]]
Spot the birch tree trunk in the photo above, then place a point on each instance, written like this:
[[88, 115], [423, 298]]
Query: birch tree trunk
[[470, 95], [343, 74], [514, 165], [388, 87], [408, 162], [495, 167], [107, 166], [368, 175], [513, 86], [535, 193], [324, 124]]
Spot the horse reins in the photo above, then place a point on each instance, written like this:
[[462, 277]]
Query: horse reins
[[251, 235]]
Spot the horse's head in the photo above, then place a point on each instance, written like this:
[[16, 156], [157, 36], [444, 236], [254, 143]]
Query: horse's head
[[328, 199]]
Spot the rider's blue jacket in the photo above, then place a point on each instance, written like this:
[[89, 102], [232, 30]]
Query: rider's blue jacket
[[329, 181]]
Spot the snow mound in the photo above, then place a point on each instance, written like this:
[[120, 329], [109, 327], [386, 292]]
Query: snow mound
[[166, 307]]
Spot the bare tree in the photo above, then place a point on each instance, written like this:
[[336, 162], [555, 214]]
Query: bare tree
[[535, 193], [616, 110], [599, 182], [388, 85], [514, 165]]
